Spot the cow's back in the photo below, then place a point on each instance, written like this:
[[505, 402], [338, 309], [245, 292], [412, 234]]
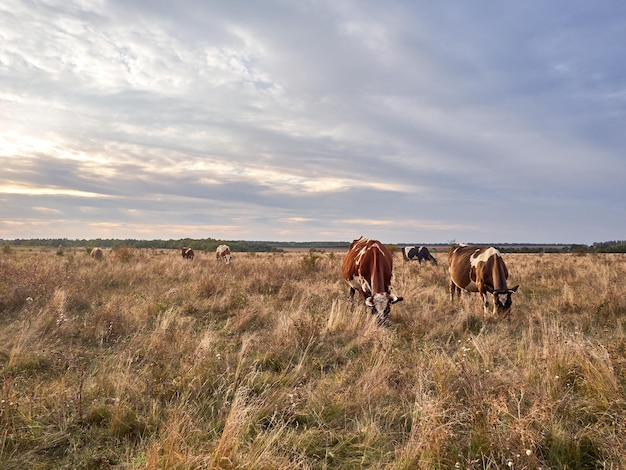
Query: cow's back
[[353, 260], [459, 265], [370, 260], [490, 268]]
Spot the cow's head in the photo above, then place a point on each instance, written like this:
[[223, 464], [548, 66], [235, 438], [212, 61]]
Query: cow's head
[[502, 300], [381, 304]]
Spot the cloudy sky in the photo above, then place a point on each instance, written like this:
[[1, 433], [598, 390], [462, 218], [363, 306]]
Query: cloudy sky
[[298, 120]]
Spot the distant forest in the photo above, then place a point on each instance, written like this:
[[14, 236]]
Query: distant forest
[[210, 244]]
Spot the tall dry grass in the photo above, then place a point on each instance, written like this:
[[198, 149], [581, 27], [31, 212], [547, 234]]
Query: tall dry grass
[[146, 360]]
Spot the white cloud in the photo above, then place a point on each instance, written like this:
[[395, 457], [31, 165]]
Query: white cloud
[[312, 120]]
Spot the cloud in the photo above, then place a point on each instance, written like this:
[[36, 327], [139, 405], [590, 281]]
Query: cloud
[[312, 120]]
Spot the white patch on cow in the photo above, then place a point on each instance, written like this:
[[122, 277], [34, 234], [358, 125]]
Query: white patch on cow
[[377, 246], [380, 302], [365, 286], [502, 298], [484, 256], [461, 245], [360, 255], [364, 250]]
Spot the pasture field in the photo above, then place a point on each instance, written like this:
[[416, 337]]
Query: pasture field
[[149, 361]]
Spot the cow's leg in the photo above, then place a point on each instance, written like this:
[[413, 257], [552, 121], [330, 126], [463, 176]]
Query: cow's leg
[[486, 305], [352, 291], [453, 289], [483, 293]]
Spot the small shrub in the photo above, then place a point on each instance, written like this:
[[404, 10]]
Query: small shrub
[[123, 253], [98, 415], [309, 262]]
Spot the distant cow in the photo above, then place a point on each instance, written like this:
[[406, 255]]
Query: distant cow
[[187, 253], [367, 268], [97, 254], [418, 253], [480, 269], [223, 253]]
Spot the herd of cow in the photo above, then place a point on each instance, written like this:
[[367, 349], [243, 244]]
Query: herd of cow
[[222, 252], [368, 266]]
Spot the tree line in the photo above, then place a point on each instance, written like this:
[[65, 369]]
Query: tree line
[[210, 244], [206, 244]]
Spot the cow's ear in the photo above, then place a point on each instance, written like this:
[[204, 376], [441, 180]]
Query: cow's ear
[[369, 302], [395, 298], [514, 289]]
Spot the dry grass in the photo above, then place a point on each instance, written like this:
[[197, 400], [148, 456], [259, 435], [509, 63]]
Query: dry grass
[[146, 360]]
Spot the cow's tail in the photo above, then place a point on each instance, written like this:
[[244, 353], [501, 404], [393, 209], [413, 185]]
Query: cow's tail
[[406, 258]]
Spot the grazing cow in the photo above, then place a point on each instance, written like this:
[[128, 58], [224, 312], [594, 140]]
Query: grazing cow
[[480, 269], [367, 268], [223, 252], [97, 254], [187, 253], [418, 253]]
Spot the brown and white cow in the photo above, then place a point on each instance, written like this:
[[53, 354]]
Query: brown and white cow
[[420, 254], [367, 268], [222, 252], [97, 254], [480, 269], [187, 253]]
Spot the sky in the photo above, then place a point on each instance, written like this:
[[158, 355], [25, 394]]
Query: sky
[[408, 121]]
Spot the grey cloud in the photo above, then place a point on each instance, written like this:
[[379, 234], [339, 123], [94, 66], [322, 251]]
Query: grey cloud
[[226, 113]]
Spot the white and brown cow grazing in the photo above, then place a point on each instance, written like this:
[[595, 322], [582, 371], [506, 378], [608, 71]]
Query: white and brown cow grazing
[[187, 253], [222, 252], [97, 254], [367, 268], [420, 254], [480, 269]]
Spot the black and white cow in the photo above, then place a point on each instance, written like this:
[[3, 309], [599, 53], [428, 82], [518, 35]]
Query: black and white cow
[[420, 254]]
